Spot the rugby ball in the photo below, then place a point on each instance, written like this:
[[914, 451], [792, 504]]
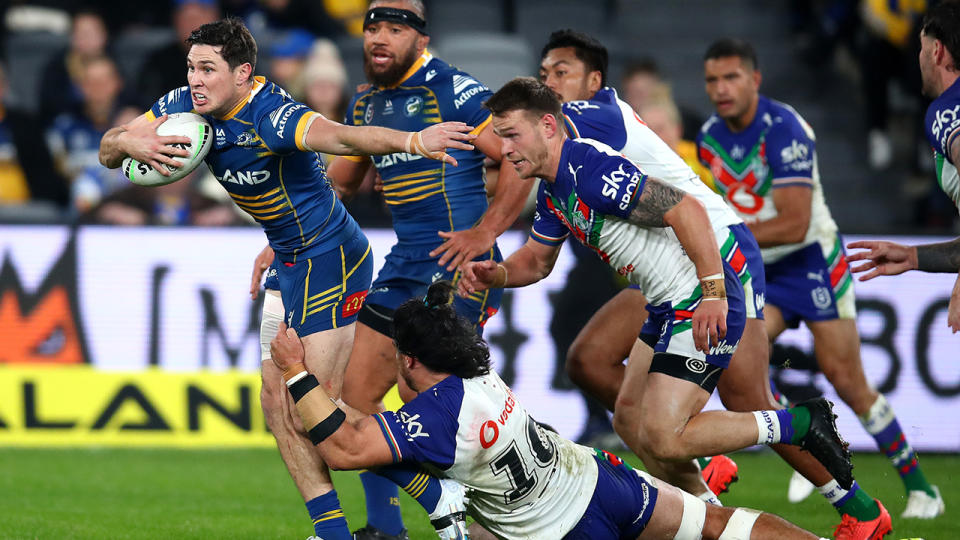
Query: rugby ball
[[186, 124]]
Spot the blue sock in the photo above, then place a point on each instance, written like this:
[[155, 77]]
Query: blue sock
[[423, 487], [328, 520], [383, 503]]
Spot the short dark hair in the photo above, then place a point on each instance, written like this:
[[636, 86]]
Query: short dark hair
[[430, 330], [726, 47], [587, 49], [942, 23], [237, 44], [641, 66], [526, 94]]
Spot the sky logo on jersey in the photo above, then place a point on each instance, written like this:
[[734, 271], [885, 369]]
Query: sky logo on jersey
[[611, 186], [580, 106], [411, 426], [944, 123], [244, 177]]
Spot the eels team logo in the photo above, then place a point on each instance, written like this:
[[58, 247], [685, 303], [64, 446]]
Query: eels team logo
[[413, 106]]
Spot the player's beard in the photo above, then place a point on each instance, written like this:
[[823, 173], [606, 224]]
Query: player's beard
[[391, 75]]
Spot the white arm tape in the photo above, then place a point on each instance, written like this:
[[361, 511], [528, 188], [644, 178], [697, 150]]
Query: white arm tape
[[740, 525], [694, 516]]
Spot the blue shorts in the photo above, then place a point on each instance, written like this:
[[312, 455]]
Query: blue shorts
[[326, 291], [743, 254], [812, 284], [622, 503], [272, 282], [669, 328], [408, 271]]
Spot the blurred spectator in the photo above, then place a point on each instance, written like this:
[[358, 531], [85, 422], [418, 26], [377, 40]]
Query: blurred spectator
[[349, 13], [642, 82], [60, 82], [74, 137], [26, 171], [179, 203], [325, 81], [663, 118], [891, 50], [288, 57], [166, 68], [273, 17]]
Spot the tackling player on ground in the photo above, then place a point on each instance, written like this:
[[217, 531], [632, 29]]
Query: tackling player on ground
[[573, 65], [522, 481], [265, 155], [940, 71], [762, 155]]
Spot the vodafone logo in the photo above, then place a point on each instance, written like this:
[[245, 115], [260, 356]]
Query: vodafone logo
[[742, 197], [489, 432]]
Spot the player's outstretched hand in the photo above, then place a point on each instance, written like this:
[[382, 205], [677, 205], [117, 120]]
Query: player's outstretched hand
[[434, 141], [476, 276], [709, 324], [882, 258], [461, 246], [286, 349], [142, 143], [260, 264], [953, 310]]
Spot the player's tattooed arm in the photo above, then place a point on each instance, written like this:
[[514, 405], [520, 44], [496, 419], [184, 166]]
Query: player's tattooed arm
[[656, 199], [942, 257]]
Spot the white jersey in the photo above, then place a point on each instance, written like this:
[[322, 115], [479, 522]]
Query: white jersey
[[776, 150], [592, 196], [521, 480], [608, 119], [942, 126]]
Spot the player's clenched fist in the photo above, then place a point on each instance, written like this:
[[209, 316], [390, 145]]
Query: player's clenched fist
[[480, 275], [286, 349]]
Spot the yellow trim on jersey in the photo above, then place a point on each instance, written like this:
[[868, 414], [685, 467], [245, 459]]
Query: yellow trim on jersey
[[302, 125], [262, 212], [355, 159], [422, 61], [415, 199], [258, 83], [150, 116], [411, 191], [306, 289], [354, 269], [296, 216], [483, 125], [443, 188], [254, 204], [270, 193], [412, 176]]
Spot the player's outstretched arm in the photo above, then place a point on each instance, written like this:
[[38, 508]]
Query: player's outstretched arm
[[881, 258], [138, 139], [529, 264], [512, 191], [343, 444], [334, 138]]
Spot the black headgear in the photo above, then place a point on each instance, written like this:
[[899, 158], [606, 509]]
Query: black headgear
[[402, 16]]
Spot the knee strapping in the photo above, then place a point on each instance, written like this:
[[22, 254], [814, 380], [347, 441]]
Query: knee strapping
[[740, 525], [270, 320], [694, 516]]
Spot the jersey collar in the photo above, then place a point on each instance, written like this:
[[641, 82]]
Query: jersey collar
[[424, 59], [258, 83]]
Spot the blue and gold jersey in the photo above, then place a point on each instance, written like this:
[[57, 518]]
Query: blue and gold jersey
[[259, 158], [426, 196]]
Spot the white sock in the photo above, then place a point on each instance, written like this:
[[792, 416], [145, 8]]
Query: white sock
[[768, 427], [878, 417], [832, 491], [709, 498]]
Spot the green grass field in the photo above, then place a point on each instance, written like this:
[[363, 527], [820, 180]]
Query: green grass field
[[82, 493]]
